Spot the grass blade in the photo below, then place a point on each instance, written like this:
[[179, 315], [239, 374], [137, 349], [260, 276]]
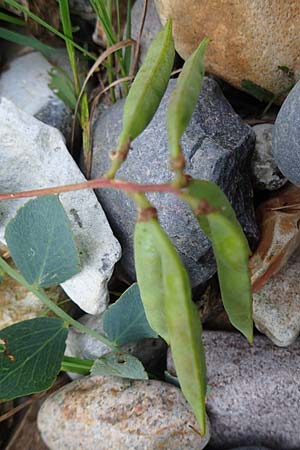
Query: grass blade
[[11, 19], [37, 19], [29, 41]]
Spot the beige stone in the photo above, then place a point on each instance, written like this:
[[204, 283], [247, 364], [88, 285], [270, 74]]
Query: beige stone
[[250, 39], [17, 303]]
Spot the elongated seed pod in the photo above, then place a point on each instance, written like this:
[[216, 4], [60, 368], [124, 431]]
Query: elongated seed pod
[[183, 322], [149, 277], [233, 273], [149, 85], [184, 97]]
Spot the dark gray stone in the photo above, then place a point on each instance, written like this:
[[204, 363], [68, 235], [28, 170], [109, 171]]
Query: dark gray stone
[[286, 136], [82, 9], [152, 25], [255, 392], [250, 448], [217, 147]]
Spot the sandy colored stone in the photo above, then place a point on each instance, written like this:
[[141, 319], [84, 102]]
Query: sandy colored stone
[[107, 413], [249, 39], [17, 303]]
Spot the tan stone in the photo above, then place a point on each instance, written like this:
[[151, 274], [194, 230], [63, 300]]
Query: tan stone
[[250, 39], [17, 303]]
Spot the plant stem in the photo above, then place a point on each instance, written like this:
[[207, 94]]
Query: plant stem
[[94, 184], [76, 365], [52, 306]]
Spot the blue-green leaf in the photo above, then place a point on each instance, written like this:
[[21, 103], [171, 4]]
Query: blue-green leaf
[[31, 360], [125, 321], [41, 244], [120, 365]]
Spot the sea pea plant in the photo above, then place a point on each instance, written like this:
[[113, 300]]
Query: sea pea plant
[[42, 247]]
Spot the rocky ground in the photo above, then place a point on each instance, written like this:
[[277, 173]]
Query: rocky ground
[[254, 391]]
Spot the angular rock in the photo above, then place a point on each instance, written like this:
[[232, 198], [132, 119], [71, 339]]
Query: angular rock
[[249, 40], [151, 352], [113, 414], [266, 174], [255, 391], [276, 311], [217, 147], [25, 83], [152, 24], [33, 155], [286, 136]]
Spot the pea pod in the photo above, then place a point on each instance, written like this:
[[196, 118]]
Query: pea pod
[[231, 251], [184, 97], [149, 276], [183, 322], [233, 273], [149, 85], [203, 190]]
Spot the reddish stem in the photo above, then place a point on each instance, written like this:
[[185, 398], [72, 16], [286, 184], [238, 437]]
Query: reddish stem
[[94, 184]]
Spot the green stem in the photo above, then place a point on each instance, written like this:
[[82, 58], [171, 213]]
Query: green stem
[[52, 306], [76, 365]]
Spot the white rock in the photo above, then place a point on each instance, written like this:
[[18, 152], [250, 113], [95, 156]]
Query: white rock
[[25, 83], [33, 155]]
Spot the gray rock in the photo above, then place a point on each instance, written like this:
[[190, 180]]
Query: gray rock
[[113, 414], [266, 174], [286, 136], [255, 391], [25, 83], [33, 156], [276, 311], [152, 24], [151, 352], [218, 147], [83, 9], [251, 448]]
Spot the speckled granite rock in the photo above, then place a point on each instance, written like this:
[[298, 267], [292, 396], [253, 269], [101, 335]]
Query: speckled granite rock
[[286, 136], [276, 307], [151, 352], [98, 413], [218, 147], [266, 174], [255, 391]]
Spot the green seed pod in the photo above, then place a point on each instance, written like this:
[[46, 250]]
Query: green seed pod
[[149, 277], [218, 221], [183, 323], [149, 85], [232, 262], [184, 97]]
